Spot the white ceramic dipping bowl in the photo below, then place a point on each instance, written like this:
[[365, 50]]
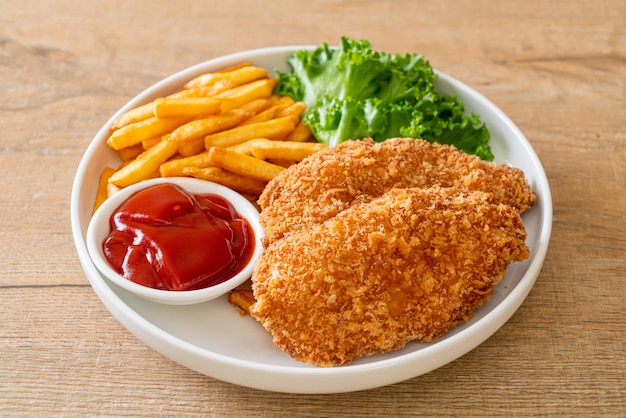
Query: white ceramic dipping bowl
[[99, 228]]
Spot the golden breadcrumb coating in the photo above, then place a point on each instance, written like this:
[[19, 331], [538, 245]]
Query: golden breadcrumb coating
[[332, 180], [372, 245], [406, 266]]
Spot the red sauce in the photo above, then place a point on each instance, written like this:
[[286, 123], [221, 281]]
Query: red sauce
[[165, 238]]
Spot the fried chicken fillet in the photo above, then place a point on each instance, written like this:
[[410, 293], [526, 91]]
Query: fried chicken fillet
[[406, 266], [371, 245], [330, 181]]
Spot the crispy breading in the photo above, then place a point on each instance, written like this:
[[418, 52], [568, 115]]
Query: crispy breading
[[406, 266], [332, 180]]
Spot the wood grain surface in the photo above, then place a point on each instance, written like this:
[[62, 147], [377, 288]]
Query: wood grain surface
[[557, 68]]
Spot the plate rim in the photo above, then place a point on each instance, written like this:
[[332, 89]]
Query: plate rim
[[309, 380]]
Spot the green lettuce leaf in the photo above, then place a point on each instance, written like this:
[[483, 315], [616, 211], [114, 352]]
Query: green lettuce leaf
[[353, 92]]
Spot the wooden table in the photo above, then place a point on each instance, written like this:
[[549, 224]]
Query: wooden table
[[557, 68]]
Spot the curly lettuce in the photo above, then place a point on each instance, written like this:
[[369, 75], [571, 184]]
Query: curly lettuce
[[354, 92]]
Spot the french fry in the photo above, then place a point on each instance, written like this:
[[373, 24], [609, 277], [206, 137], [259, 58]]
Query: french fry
[[134, 115], [264, 116], [295, 111], [271, 112], [101, 193], [236, 97], [166, 107], [150, 142], [234, 181], [174, 168], [130, 153], [112, 189], [134, 133], [285, 150], [242, 299], [244, 165], [256, 106], [145, 164], [272, 129], [246, 147], [204, 91], [193, 147], [238, 76], [302, 133], [155, 174], [199, 128]]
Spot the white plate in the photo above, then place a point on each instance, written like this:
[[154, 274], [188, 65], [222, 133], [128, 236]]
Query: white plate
[[211, 338]]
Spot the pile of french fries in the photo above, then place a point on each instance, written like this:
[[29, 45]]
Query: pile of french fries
[[226, 126]]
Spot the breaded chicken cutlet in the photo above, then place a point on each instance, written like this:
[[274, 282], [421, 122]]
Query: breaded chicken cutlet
[[353, 172], [406, 266], [372, 245]]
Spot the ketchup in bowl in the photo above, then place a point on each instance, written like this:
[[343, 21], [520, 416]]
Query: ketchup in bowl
[[164, 237]]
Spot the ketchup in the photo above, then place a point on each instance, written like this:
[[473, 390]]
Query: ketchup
[[165, 238]]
